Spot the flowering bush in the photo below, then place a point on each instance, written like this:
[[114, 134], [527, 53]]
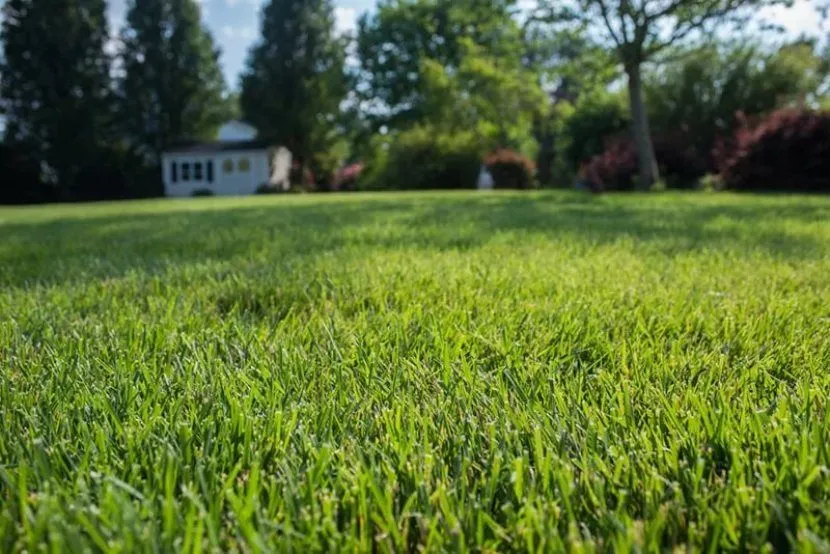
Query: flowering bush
[[681, 165], [510, 170], [346, 178], [789, 150]]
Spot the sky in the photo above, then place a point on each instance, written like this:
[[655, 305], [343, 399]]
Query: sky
[[235, 24]]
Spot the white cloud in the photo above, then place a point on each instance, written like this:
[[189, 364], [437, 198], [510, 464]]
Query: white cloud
[[249, 3], [242, 32], [346, 20], [802, 17]]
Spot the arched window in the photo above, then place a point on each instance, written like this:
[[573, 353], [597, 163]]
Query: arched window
[[227, 166], [244, 165]]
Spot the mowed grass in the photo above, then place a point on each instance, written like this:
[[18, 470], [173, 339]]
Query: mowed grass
[[444, 372]]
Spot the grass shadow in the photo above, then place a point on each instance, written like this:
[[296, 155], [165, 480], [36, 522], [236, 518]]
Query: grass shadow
[[101, 246]]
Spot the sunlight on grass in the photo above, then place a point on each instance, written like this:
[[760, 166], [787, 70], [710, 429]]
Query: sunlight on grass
[[462, 372]]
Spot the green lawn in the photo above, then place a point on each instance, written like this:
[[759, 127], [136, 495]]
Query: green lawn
[[452, 372]]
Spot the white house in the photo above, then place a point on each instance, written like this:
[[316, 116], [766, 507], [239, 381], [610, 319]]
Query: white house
[[235, 164]]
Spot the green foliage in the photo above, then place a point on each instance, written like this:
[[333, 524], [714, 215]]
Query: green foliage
[[172, 87], [702, 94], [375, 157], [510, 170], [453, 372], [294, 81], [588, 125], [638, 31], [55, 87], [425, 158], [495, 96], [569, 66], [22, 183], [395, 41]]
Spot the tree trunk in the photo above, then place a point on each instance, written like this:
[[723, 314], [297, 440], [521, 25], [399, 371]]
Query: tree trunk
[[649, 172]]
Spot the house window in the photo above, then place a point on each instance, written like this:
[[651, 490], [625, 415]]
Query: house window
[[174, 172], [185, 171], [210, 171], [227, 166], [244, 165], [197, 171]]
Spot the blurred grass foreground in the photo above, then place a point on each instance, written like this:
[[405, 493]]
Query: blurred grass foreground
[[441, 372]]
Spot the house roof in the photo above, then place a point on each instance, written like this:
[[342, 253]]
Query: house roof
[[218, 146]]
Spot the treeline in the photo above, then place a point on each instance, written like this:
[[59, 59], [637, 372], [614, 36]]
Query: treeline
[[589, 92]]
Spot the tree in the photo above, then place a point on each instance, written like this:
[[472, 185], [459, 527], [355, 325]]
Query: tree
[[701, 95], [295, 82], [640, 30], [570, 68], [172, 86], [394, 41], [496, 96], [56, 84]]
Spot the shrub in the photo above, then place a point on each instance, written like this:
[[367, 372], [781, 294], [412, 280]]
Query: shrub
[[589, 124], [788, 151], [614, 169], [681, 165], [267, 188], [200, 193], [21, 183], [510, 170], [422, 159], [115, 173], [300, 177], [346, 178]]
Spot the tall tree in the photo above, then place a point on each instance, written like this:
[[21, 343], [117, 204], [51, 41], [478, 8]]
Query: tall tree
[[495, 96], [702, 94], [55, 88], [639, 31], [394, 41], [294, 81], [569, 66], [172, 85]]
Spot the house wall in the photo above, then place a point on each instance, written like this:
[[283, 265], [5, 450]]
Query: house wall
[[234, 183]]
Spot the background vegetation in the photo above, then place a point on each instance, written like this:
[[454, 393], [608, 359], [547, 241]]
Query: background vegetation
[[592, 93]]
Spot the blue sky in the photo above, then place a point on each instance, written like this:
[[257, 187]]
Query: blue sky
[[235, 24]]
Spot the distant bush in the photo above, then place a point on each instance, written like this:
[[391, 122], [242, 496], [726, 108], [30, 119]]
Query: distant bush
[[202, 193], [510, 169], [616, 169], [589, 124], [116, 173], [301, 178], [421, 159], [788, 151], [613, 169], [21, 182], [267, 188], [347, 178]]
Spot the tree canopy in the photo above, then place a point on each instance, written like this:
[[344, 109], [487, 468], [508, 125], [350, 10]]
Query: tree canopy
[[56, 90], [172, 87], [294, 81], [637, 31], [394, 42]]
